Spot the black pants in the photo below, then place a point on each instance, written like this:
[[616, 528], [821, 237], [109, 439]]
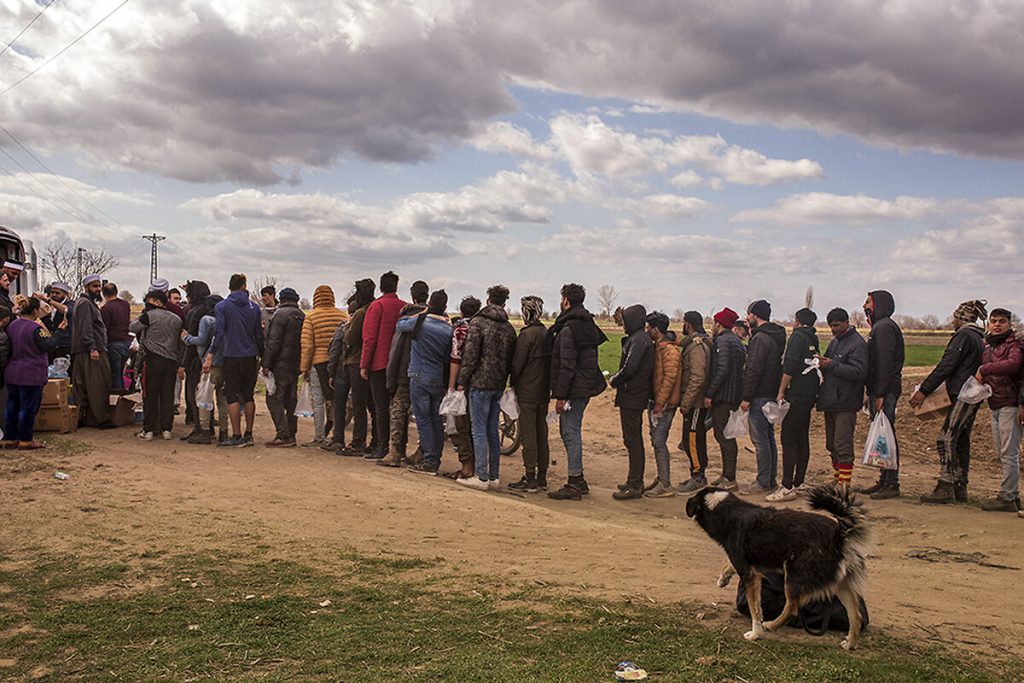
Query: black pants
[[360, 389], [632, 421], [695, 441], [158, 398], [281, 404], [796, 443], [730, 450], [193, 373], [340, 402], [381, 407], [533, 426]]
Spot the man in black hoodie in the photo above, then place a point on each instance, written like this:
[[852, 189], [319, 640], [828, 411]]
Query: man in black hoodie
[[575, 379], [960, 361], [197, 292], [885, 379], [761, 377], [632, 384], [282, 358]]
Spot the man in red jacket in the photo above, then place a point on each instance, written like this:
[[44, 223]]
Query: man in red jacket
[[1000, 369], [378, 329]]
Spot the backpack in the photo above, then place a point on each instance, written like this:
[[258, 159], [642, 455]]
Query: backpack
[[816, 617]]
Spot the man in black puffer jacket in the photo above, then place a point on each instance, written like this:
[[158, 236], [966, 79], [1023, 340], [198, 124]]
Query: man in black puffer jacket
[[960, 361], [761, 377], [725, 387], [282, 356], [844, 368], [632, 384], [575, 379]]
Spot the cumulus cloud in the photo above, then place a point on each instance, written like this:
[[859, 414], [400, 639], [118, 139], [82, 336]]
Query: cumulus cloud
[[822, 208], [502, 136]]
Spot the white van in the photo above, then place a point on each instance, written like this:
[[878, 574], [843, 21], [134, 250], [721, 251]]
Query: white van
[[12, 247]]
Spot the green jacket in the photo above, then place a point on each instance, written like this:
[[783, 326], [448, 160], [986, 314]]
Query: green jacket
[[803, 345]]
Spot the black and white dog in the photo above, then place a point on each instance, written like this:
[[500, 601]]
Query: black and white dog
[[820, 556]]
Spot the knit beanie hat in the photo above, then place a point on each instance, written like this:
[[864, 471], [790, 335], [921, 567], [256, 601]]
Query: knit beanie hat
[[761, 308], [970, 311], [658, 321], [727, 318], [160, 285], [288, 294]]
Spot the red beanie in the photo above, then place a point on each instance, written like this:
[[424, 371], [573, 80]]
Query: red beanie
[[727, 318]]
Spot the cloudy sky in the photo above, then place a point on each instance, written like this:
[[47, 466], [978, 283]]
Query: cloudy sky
[[691, 154]]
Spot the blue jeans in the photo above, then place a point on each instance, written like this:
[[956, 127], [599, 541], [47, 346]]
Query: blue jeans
[[483, 414], [762, 433], [659, 440], [118, 354], [22, 406], [570, 426], [425, 395]]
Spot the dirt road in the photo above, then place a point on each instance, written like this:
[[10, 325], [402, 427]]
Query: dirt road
[[950, 575]]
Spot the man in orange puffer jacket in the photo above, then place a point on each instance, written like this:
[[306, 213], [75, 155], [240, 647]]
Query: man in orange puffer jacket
[[317, 331], [667, 385]]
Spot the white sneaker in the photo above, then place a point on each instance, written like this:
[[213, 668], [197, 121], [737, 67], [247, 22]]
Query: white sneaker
[[782, 495], [145, 436], [804, 488], [166, 436], [474, 483], [494, 484]]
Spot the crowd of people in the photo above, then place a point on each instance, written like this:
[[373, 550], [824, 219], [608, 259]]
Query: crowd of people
[[378, 360]]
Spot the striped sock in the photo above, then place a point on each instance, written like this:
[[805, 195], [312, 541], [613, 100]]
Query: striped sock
[[844, 473]]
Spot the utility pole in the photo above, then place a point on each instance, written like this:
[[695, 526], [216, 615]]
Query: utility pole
[[79, 252], [155, 239]]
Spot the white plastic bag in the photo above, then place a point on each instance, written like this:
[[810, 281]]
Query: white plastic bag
[[509, 404], [815, 365], [736, 427], [268, 381], [453, 403], [974, 391], [449, 425], [204, 393], [304, 406], [775, 412], [880, 447]]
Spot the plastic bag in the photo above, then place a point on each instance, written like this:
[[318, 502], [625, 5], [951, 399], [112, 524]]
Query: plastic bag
[[813, 364], [509, 404], [775, 412], [880, 448], [304, 405], [736, 427], [204, 393], [449, 425], [974, 391], [453, 403], [268, 381], [59, 368]]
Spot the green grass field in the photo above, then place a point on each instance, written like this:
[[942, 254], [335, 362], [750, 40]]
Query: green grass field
[[918, 355], [358, 618]]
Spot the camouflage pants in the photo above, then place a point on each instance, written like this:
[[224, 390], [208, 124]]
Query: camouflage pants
[[400, 409]]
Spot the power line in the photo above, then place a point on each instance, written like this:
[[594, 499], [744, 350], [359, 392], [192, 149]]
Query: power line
[[44, 198], [58, 177], [44, 186], [155, 239], [62, 51], [15, 39]]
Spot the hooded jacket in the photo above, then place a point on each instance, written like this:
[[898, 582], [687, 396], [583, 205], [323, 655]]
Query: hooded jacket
[[531, 365], [239, 328], [198, 293], [487, 355], [284, 340], [885, 348], [803, 345], [318, 328], [401, 351], [574, 340], [843, 386], [667, 380], [959, 361], [763, 371], [337, 350], [378, 329], [696, 363], [725, 385], [1001, 370], [632, 383]]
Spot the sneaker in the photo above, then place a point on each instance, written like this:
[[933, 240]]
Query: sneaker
[[942, 495], [280, 443], [886, 492], [474, 483], [189, 435], [230, 442], [315, 443], [692, 485], [727, 484], [524, 485], [650, 487], [582, 487], [376, 455], [352, 451], [245, 441], [145, 436], [803, 488], [868, 490], [754, 489], [422, 468], [660, 491], [494, 484], [782, 495], [567, 492], [542, 481], [200, 438], [393, 460], [998, 504], [166, 436], [629, 493], [332, 447]]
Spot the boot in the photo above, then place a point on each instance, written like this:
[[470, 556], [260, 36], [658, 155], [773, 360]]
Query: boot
[[868, 490], [960, 492], [998, 504], [942, 495], [886, 492]]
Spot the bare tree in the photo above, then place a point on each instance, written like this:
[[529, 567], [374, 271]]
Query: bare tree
[[677, 315], [858, 319], [930, 322], [304, 304], [69, 264], [606, 297], [258, 283], [127, 296]]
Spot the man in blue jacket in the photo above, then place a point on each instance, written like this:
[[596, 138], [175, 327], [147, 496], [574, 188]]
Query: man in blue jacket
[[239, 339]]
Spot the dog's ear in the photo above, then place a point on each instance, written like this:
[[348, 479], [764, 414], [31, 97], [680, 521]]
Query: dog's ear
[[693, 505]]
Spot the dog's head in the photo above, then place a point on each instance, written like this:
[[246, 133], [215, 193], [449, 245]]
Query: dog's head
[[705, 500]]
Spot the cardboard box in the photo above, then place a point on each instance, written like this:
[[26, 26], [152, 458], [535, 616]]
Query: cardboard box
[[122, 410], [55, 393], [63, 419], [935, 405]]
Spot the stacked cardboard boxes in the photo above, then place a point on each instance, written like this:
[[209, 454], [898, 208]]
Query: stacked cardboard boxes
[[55, 415]]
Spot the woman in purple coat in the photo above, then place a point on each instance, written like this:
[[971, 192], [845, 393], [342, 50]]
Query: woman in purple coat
[[26, 374]]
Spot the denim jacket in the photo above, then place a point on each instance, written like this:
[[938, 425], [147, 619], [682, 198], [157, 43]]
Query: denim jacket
[[431, 346]]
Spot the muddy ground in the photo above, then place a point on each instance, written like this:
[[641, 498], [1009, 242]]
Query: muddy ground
[[950, 575]]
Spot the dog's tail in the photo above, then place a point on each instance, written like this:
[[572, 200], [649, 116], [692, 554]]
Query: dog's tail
[[854, 526]]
